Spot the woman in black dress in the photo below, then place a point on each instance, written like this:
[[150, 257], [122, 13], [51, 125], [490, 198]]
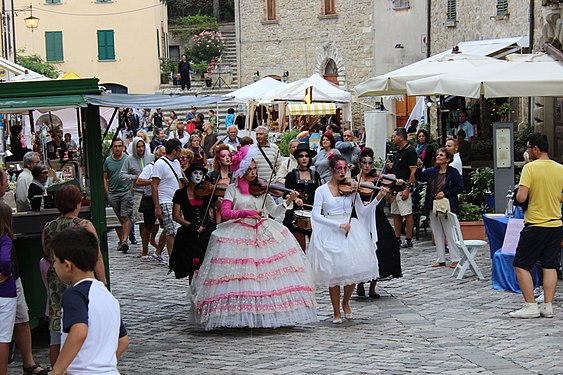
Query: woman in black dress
[[184, 70], [197, 223], [305, 181], [388, 254]]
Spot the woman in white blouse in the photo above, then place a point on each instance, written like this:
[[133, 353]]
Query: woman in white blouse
[[342, 252]]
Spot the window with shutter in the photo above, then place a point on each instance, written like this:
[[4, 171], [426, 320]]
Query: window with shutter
[[452, 10], [52, 1], [502, 7], [329, 7], [54, 45], [271, 10], [401, 4], [106, 46]]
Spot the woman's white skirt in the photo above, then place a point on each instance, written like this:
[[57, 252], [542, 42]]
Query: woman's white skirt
[[338, 259], [254, 275]]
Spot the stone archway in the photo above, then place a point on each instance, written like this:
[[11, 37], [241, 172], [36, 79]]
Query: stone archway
[[325, 54]]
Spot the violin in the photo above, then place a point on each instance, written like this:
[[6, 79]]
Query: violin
[[204, 190], [259, 186], [386, 179], [346, 187]]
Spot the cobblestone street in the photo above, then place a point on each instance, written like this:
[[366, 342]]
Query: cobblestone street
[[425, 322]]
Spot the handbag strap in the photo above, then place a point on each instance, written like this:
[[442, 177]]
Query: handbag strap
[[171, 168], [267, 160]]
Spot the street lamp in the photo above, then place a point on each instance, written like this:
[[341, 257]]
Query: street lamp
[[285, 76], [8, 29], [31, 22], [256, 76]]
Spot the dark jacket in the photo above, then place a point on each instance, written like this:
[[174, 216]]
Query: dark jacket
[[454, 186]]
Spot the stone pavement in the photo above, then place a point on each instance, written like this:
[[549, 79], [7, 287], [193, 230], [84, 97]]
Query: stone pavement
[[425, 322]]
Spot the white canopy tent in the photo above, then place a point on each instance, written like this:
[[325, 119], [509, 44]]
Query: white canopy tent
[[16, 72], [531, 75], [323, 91], [255, 90]]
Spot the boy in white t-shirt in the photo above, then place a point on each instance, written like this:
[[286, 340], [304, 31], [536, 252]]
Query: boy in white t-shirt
[[93, 335]]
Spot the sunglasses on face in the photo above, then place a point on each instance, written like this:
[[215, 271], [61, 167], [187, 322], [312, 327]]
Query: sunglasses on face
[[303, 156]]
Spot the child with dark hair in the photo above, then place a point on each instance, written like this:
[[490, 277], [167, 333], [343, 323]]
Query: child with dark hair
[[93, 335], [230, 117]]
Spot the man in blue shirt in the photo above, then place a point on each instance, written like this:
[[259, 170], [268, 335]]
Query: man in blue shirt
[[466, 126]]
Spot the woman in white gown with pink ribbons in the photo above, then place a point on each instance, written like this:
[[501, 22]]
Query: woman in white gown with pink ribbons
[[342, 253], [254, 273]]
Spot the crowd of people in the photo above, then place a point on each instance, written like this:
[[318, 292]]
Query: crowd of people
[[255, 260]]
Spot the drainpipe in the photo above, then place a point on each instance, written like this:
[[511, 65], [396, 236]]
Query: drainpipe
[[532, 25], [429, 26], [531, 50]]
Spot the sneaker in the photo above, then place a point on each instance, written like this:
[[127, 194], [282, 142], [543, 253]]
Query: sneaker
[[133, 240], [157, 257], [124, 247], [145, 258], [540, 298], [528, 310], [546, 310], [119, 245], [407, 244]]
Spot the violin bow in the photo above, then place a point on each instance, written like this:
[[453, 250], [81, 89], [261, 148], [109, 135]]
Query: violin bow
[[270, 180], [355, 197], [211, 198], [378, 180]]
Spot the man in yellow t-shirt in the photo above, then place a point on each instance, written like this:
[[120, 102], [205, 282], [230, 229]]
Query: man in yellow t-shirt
[[541, 183]]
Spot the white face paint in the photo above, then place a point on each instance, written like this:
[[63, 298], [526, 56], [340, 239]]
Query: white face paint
[[196, 177]]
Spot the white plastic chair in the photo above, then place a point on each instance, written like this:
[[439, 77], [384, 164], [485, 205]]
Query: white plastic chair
[[468, 249]]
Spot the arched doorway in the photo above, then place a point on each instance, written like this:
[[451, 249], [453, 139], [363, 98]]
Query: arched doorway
[[331, 72]]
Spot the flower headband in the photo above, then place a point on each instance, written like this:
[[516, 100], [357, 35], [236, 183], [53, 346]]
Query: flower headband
[[241, 161]]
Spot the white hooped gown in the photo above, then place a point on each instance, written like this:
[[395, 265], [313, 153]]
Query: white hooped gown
[[254, 273], [338, 259]]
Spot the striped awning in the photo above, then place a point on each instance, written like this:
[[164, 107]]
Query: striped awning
[[311, 109]]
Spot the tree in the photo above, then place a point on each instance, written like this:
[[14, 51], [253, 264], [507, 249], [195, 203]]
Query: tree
[[35, 62]]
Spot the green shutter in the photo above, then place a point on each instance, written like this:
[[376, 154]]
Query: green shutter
[[52, 1], [502, 7], [54, 45], [452, 10], [106, 46]]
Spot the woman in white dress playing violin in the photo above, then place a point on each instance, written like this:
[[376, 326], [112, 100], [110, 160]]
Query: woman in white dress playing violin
[[342, 251]]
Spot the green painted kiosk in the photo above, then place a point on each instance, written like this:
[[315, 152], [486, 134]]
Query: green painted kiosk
[[21, 97]]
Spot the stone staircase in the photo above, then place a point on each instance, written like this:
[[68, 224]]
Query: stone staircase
[[218, 87]]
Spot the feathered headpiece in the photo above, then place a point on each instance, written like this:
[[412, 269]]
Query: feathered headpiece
[[241, 161]]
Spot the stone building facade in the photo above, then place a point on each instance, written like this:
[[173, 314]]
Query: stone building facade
[[336, 39], [455, 21], [297, 36]]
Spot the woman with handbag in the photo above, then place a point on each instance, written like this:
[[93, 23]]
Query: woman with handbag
[[444, 185]]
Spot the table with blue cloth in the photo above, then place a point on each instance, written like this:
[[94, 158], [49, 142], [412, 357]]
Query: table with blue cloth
[[503, 275]]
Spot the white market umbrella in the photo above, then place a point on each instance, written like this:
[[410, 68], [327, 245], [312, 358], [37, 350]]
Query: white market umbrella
[[509, 79], [395, 82]]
